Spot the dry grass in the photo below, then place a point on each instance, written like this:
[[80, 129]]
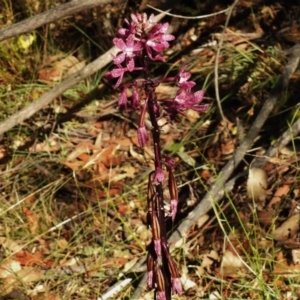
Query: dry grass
[[77, 223]]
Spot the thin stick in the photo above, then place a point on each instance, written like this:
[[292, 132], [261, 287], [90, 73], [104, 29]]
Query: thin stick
[[188, 17], [49, 16], [116, 289], [286, 137], [56, 91], [217, 61]]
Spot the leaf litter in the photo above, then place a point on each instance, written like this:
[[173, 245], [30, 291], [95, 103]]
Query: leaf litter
[[101, 194]]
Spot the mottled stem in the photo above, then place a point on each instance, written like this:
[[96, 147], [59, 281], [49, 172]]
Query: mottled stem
[[159, 204]]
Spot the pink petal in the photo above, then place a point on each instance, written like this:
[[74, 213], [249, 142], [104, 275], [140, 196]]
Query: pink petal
[[201, 108], [173, 208], [150, 279], [168, 37], [123, 99], [164, 27], [130, 64], [119, 58], [136, 102], [119, 43], [157, 247], [137, 47], [161, 295], [199, 96], [176, 286], [117, 72], [158, 47], [142, 136], [159, 176]]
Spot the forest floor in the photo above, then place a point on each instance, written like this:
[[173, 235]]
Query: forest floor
[[73, 180]]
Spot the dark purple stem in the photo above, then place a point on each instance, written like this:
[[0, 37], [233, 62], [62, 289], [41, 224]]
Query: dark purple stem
[[157, 203]]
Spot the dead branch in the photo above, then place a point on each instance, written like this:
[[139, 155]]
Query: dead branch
[[49, 16], [59, 89], [286, 138]]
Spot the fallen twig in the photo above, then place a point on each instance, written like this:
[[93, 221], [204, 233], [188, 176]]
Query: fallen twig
[[49, 16], [114, 290], [286, 137], [48, 97]]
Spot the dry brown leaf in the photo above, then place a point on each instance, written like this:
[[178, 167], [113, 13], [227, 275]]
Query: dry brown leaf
[[32, 220], [119, 177], [84, 157], [79, 149], [61, 68], [106, 156], [284, 269], [3, 151], [265, 217], [209, 259], [130, 264], [282, 191], [206, 174], [28, 275], [228, 147], [48, 146], [136, 155], [9, 267], [288, 229], [20, 277], [110, 157], [29, 259], [74, 166], [124, 141], [42, 295], [232, 266], [186, 282], [11, 273], [10, 246]]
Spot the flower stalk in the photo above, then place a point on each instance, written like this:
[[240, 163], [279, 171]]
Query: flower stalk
[[140, 42]]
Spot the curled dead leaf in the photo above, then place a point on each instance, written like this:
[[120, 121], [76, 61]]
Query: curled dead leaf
[[257, 184], [9, 267], [288, 229], [209, 259], [9, 245], [24, 275]]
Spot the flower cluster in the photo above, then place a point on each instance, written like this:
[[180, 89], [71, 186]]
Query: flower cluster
[[185, 98], [140, 36], [141, 41]]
